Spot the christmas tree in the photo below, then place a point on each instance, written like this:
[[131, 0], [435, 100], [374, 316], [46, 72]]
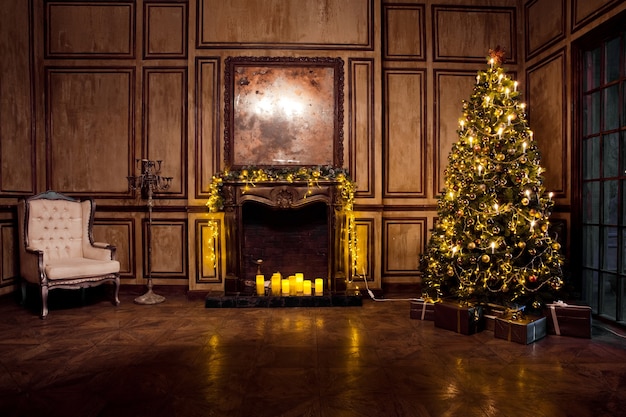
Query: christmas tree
[[492, 242]]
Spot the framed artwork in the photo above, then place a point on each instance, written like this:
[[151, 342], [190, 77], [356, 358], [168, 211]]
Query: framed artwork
[[283, 111]]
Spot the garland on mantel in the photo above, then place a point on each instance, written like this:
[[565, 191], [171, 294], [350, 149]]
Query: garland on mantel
[[311, 175]]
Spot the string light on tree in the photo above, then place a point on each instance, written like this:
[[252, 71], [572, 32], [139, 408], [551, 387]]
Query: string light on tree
[[491, 242]]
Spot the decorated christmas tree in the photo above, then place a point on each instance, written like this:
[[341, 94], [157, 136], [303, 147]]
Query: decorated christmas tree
[[492, 241]]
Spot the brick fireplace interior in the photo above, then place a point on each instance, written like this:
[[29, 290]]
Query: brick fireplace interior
[[288, 240]]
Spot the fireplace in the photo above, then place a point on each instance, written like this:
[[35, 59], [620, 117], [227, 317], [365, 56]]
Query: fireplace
[[285, 240], [283, 227]]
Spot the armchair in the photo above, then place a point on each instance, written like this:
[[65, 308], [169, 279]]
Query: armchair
[[57, 248]]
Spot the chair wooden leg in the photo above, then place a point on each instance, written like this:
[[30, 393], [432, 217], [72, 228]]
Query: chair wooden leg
[[117, 291], [44, 301]]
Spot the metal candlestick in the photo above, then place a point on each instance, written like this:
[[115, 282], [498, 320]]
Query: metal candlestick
[[148, 182]]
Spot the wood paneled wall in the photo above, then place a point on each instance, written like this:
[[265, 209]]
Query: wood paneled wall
[[88, 87]]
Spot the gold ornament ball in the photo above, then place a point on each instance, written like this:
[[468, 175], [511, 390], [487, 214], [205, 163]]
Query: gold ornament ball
[[556, 246], [450, 272], [525, 201], [521, 245], [544, 227], [536, 304], [485, 258], [500, 157], [471, 246]]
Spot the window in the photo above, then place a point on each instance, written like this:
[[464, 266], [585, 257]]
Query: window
[[602, 148]]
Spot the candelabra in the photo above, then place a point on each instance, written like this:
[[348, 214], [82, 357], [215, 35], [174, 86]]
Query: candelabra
[[147, 183]]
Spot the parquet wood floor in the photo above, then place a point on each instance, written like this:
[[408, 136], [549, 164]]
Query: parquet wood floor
[[180, 359]]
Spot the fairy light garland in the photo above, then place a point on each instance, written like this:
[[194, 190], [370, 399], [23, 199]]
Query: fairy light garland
[[312, 176]]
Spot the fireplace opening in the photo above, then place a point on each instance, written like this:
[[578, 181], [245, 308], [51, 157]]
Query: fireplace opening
[[288, 240]]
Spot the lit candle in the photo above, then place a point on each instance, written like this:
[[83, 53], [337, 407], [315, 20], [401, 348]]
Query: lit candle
[[532, 225], [524, 147], [319, 286], [462, 123], [506, 92], [477, 79], [480, 169], [550, 196], [500, 78], [292, 285], [471, 140], [515, 86], [493, 247], [500, 130], [509, 117], [260, 285], [299, 283], [491, 62], [307, 287], [276, 290], [285, 287], [496, 207]]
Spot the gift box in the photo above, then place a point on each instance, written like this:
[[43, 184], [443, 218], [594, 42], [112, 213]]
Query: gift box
[[568, 319], [462, 318], [520, 329], [422, 310], [490, 313]]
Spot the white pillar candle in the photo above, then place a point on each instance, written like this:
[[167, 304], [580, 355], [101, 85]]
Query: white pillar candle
[[306, 287], [292, 285], [299, 283], [319, 286], [260, 285], [276, 289]]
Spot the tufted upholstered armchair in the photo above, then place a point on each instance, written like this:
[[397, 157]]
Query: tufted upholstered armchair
[[57, 248]]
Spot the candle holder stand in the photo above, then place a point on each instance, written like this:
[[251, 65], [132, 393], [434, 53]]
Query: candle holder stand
[[147, 183]]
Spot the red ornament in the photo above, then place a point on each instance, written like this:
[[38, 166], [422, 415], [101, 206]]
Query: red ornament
[[532, 278]]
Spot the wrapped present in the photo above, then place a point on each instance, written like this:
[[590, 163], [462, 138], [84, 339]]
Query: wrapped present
[[422, 309], [568, 319], [519, 328], [490, 313], [462, 318]]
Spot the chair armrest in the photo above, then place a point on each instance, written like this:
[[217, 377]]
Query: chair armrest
[[100, 251], [31, 265]]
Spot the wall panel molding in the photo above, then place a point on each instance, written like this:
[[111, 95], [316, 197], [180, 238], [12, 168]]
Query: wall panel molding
[[17, 100], [90, 130], [466, 33], [450, 89], [541, 33], [404, 152], [9, 268], [289, 24], [107, 30], [207, 122], [207, 246], [404, 34], [165, 30], [165, 124], [546, 83], [404, 239], [362, 127], [585, 11], [119, 232], [169, 249]]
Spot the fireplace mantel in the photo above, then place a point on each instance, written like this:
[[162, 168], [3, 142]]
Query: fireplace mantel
[[282, 195]]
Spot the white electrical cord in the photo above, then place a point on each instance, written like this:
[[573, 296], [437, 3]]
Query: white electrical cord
[[384, 299], [611, 331]]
